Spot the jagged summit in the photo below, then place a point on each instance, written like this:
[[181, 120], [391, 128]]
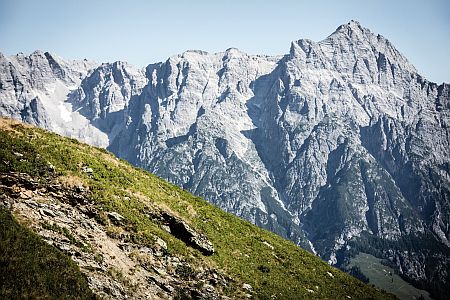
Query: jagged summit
[[353, 35], [355, 50], [201, 52], [350, 27]]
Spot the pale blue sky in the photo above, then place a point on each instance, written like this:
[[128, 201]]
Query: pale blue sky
[[144, 32]]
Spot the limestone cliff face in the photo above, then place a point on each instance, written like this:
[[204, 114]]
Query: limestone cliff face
[[35, 89], [338, 145]]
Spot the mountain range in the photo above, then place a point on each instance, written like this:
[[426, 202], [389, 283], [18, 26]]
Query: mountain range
[[340, 146]]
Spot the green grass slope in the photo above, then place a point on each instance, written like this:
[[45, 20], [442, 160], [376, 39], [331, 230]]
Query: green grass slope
[[274, 267], [32, 269]]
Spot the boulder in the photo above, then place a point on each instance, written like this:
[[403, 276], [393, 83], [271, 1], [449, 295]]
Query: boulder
[[181, 230], [116, 218]]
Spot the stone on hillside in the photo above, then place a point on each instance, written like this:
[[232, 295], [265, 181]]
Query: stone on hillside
[[161, 243], [115, 217], [48, 212], [80, 189], [51, 167], [87, 170], [184, 232]]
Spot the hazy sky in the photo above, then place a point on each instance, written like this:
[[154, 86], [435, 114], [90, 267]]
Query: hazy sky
[[143, 32]]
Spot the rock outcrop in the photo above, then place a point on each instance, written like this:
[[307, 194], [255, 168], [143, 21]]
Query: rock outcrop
[[184, 232]]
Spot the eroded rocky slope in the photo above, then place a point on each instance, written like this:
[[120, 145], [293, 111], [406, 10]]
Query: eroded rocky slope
[[116, 266]]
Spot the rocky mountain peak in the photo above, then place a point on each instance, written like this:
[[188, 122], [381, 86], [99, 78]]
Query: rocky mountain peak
[[38, 54], [350, 28], [352, 41], [194, 51], [233, 52]]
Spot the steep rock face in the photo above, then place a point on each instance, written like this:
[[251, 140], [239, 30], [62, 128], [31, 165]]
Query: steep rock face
[[358, 147], [190, 125], [340, 145], [34, 89], [104, 94]]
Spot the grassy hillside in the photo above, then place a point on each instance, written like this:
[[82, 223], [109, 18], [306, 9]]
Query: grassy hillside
[[274, 267], [31, 269]]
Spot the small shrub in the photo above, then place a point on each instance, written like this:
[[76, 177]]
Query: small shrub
[[264, 269], [102, 218], [98, 257], [185, 271], [115, 273]]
